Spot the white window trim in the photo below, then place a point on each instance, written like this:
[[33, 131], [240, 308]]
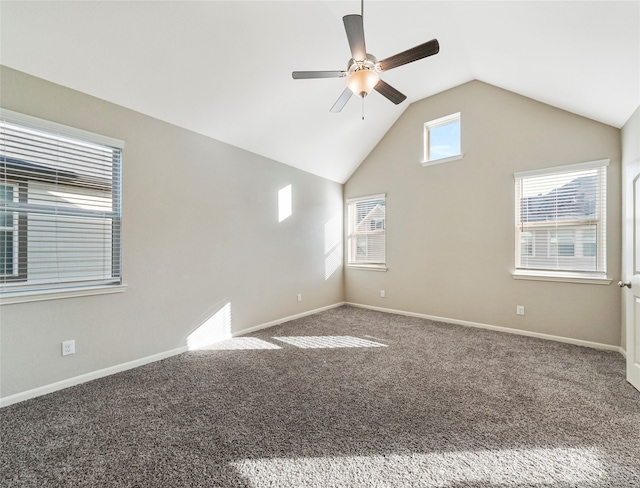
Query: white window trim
[[563, 169], [368, 267], [41, 124], [364, 266], [595, 278], [432, 124], [441, 160], [534, 275], [41, 295]]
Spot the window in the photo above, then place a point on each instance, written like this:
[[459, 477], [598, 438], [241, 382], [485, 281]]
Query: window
[[526, 244], [60, 212], [563, 242], [8, 232], [366, 231], [560, 221], [589, 245], [442, 140]]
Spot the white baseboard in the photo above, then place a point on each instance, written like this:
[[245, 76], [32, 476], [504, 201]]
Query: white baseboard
[[83, 378], [286, 319], [539, 335], [76, 380], [60, 385]]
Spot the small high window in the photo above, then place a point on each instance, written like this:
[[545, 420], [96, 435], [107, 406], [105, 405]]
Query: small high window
[[442, 140]]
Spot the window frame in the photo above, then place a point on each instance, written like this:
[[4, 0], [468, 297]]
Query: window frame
[[14, 228], [13, 176], [597, 276], [19, 234], [434, 124], [352, 235]]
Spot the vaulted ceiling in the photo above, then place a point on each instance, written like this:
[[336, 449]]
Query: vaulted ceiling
[[223, 69]]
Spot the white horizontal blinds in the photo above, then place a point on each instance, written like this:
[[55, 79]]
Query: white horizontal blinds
[[60, 209], [366, 230], [561, 219]]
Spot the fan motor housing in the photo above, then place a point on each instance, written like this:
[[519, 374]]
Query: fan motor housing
[[371, 63]]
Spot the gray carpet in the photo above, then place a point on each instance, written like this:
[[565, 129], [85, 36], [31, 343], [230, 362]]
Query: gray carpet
[[344, 398]]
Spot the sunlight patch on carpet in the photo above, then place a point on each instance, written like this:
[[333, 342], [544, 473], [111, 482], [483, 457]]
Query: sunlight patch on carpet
[[241, 343], [508, 467], [326, 342]]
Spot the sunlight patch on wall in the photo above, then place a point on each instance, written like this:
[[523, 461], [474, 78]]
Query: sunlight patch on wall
[[285, 203], [324, 342], [332, 262], [332, 245], [214, 329], [507, 467]]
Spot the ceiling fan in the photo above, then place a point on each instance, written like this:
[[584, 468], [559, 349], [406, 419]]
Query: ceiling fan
[[363, 68]]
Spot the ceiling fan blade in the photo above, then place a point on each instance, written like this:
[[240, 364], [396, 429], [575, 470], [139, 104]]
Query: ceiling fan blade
[[304, 75], [429, 48], [386, 90], [355, 35], [342, 100]]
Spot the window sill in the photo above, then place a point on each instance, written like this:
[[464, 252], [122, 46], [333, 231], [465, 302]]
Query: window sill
[[368, 267], [9, 298], [591, 279], [443, 160]]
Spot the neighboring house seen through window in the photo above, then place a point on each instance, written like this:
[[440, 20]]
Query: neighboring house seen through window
[[366, 231], [561, 220], [9, 247], [60, 212]]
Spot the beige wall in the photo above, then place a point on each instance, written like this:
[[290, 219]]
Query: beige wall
[[450, 227], [449, 245], [200, 226]]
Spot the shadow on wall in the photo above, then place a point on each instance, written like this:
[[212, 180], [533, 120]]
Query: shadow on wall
[[216, 327], [332, 232], [215, 324]]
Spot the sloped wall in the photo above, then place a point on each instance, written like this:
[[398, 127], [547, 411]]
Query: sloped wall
[[450, 227]]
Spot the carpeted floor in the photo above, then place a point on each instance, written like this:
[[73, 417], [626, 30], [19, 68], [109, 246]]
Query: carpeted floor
[[345, 398]]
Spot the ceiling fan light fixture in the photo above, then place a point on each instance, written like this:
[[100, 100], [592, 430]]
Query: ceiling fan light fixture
[[362, 81], [363, 68]]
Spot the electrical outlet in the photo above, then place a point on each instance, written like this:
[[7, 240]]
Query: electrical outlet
[[519, 310], [299, 297], [68, 347], [382, 294]]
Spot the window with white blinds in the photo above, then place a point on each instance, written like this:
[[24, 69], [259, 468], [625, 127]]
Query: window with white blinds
[[366, 231], [60, 215], [561, 219]]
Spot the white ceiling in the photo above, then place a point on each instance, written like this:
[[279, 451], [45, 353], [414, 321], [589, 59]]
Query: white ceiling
[[223, 69]]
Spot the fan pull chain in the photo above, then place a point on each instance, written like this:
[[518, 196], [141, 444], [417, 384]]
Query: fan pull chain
[[362, 107]]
